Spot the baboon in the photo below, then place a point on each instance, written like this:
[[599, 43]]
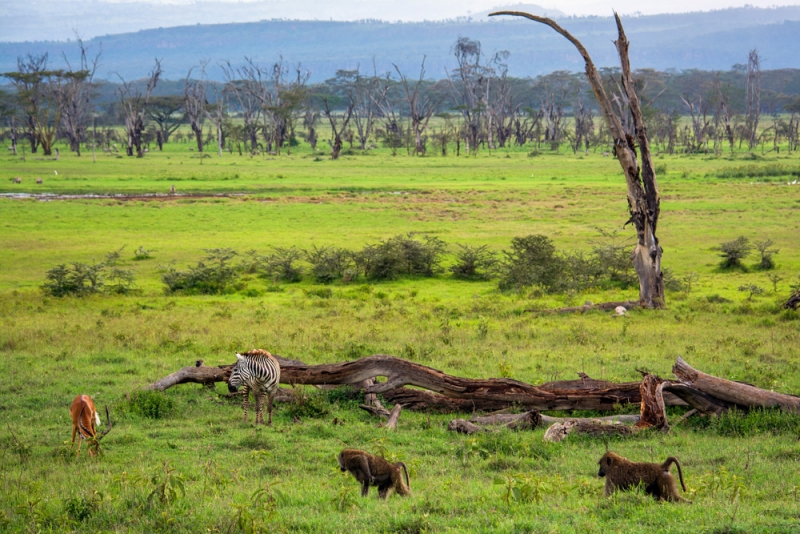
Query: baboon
[[623, 474], [373, 470]]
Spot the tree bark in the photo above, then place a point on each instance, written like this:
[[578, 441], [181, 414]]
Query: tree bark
[[653, 412], [394, 415], [733, 392]]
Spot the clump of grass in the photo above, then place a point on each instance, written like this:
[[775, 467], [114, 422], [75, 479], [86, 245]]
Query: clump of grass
[[736, 423], [150, 404]]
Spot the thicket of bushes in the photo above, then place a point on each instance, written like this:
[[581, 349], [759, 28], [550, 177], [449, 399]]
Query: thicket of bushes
[[530, 262]]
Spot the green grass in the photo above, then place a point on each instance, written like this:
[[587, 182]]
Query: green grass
[[227, 476]]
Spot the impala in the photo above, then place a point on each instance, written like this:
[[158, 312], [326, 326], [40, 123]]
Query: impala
[[84, 422]]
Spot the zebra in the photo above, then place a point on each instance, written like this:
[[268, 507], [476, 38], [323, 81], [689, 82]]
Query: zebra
[[259, 371]]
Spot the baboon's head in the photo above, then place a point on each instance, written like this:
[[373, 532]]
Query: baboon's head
[[606, 462], [341, 462]]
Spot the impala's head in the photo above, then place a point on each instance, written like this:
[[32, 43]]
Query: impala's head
[[236, 377]]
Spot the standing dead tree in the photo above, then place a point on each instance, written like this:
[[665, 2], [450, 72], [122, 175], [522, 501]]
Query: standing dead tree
[[75, 97], [194, 103], [134, 106], [643, 198], [753, 110], [337, 128], [421, 107], [469, 84], [245, 86]]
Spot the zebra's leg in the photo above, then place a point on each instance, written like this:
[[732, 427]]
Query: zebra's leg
[[270, 398], [259, 407], [246, 402]]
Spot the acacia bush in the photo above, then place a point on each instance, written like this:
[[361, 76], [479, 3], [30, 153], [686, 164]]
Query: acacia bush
[[764, 249], [215, 275], [329, 264], [81, 279], [474, 263], [532, 261], [401, 255], [733, 252]]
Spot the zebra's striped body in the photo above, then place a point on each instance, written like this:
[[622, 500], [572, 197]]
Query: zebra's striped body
[[257, 371]]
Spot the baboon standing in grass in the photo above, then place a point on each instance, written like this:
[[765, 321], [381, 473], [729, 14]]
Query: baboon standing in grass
[[623, 474], [373, 470]]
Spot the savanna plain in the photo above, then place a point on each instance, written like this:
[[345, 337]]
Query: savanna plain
[[183, 460]]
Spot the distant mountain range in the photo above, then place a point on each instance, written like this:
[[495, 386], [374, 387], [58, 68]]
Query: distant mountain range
[[713, 40]]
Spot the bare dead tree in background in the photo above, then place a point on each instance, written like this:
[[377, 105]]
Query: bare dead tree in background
[[75, 100], [194, 103], [215, 112], [421, 107], [584, 127], [246, 87], [134, 107], [502, 109], [337, 128], [753, 109], [167, 113], [698, 112], [724, 112], [643, 198], [365, 109], [469, 84]]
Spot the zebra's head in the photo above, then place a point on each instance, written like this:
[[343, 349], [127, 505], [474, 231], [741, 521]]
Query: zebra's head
[[236, 376]]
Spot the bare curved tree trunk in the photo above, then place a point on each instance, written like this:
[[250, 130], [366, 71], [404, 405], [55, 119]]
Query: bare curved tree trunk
[[643, 198]]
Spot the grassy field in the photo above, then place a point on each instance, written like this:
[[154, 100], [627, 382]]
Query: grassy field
[[184, 461]]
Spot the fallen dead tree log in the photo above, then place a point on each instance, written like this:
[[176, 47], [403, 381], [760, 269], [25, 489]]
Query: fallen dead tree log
[[446, 393], [743, 395], [451, 393]]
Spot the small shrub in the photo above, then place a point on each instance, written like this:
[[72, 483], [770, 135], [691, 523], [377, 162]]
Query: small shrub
[[281, 264], [613, 256], [733, 252], [82, 508], [763, 247], [79, 279], [142, 253], [329, 263], [214, 275], [401, 255], [150, 404], [474, 262], [532, 260], [752, 289]]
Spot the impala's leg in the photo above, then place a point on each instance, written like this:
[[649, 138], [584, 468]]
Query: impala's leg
[[74, 430], [246, 402]]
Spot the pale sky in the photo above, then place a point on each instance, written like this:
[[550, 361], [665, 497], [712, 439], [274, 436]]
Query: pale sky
[[426, 9], [38, 20]]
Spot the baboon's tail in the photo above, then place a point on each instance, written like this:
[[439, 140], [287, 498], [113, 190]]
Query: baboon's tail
[[672, 460], [405, 471]]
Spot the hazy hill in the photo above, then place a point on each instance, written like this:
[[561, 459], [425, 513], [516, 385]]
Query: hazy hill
[[709, 40]]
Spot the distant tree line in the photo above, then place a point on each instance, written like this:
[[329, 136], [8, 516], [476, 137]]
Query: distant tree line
[[270, 108]]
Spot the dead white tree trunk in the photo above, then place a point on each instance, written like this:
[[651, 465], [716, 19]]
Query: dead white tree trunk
[[643, 198]]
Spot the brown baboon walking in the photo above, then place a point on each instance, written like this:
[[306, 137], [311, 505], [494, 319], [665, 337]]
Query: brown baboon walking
[[373, 470], [623, 474]]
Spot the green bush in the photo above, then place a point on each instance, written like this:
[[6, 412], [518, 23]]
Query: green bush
[[214, 275], [531, 261], [733, 252], [474, 263], [150, 404], [329, 264], [401, 255], [81, 279]]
